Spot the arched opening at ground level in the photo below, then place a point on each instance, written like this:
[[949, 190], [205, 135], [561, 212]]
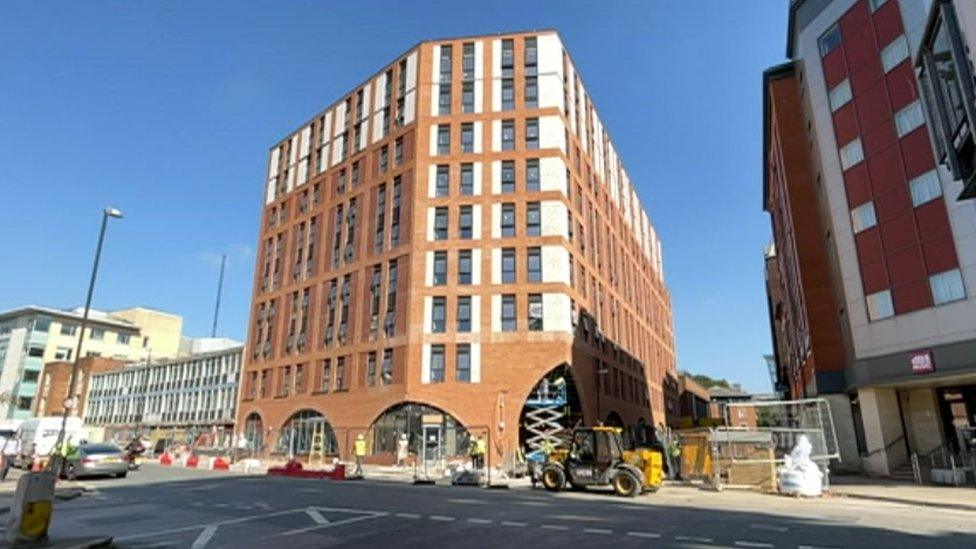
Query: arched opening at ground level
[[254, 433], [418, 429], [614, 420], [306, 434], [550, 412]]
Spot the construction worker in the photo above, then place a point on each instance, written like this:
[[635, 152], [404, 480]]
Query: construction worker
[[480, 450], [360, 454]]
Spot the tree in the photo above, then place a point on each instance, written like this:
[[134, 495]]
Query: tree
[[708, 382]]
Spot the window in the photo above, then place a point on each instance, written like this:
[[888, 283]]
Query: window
[[465, 222], [535, 264], [384, 158], [398, 151], [36, 352], [531, 133], [355, 174], [531, 54], [508, 57], [446, 52], [909, 118], [379, 237], [467, 61], [69, 329], [533, 219], [925, 188], [829, 40], [531, 92], [840, 95], [299, 379], [326, 382], [464, 267], [508, 94], [851, 154], [436, 363], [535, 312], [63, 353], [440, 268], [395, 217], [438, 315], [371, 369], [464, 313], [894, 53], [508, 176], [124, 339], [508, 265], [532, 174], [879, 305], [947, 287], [863, 218], [508, 313], [508, 135], [467, 137], [467, 97], [387, 376], [340, 383], [463, 368], [97, 334], [444, 98], [467, 179], [443, 185], [443, 139], [508, 219], [42, 324], [440, 223]]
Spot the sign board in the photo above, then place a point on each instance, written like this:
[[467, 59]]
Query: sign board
[[922, 362], [432, 419]]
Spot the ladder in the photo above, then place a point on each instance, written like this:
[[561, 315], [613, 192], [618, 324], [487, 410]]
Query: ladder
[[316, 450]]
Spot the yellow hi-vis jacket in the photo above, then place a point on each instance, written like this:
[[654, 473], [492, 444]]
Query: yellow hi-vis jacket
[[480, 447], [360, 448]]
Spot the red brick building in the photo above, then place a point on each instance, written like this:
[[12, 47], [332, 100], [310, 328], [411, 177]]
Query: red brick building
[[436, 243], [56, 378]]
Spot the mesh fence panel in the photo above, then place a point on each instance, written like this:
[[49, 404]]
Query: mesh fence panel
[[781, 423]]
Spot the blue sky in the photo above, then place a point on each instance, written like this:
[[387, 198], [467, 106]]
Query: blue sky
[[166, 110]]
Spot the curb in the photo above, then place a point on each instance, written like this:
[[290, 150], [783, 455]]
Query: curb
[[905, 501]]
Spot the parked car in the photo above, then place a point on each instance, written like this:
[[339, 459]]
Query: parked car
[[90, 460]]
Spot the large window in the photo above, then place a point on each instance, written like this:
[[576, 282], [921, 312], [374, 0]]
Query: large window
[[894, 53], [440, 223], [532, 174], [535, 312], [531, 133], [508, 176], [829, 40], [947, 287], [464, 313], [925, 188], [436, 363], [463, 363], [533, 219], [508, 94], [464, 267], [508, 265], [508, 220], [509, 312], [438, 315], [508, 135], [880, 305], [406, 420], [535, 264], [467, 137], [443, 139], [297, 434], [440, 268], [467, 179], [466, 222], [443, 184]]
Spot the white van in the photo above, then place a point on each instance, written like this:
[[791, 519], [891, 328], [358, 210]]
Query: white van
[[39, 435]]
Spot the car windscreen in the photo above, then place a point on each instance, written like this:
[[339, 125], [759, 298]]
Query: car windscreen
[[100, 449]]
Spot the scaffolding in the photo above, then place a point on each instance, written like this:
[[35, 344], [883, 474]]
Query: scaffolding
[[545, 415]]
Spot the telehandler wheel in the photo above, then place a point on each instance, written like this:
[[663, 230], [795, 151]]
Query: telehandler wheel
[[553, 478], [625, 484]]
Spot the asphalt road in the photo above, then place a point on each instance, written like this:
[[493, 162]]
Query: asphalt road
[[171, 507]]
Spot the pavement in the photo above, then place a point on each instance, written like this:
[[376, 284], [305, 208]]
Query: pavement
[[944, 497], [160, 507]]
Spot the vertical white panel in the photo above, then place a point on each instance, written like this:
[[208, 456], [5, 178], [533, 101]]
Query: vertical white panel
[[303, 171], [430, 224], [435, 64], [555, 264], [377, 127], [496, 94], [478, 135], [431, 181], [273, 162], [306, 141], [571, 107], [409, 107], [327, 128], [496, 220], [476, 266], [552, 133], [550, 56], [290, 184], [476, 173], [340, 119], [428, 312], [337, 149], [554, 218], [556, 313], [476, 221], [496, 75], [425, 363], [475, 314], [496, 313], [496, 265], [293, 150], [552, 174], [479, 75], [379, 87], [270, 190], [324, 155], [429, 270], [364, 134], [496, 135], [412, 71], [434, 100], [475, 358], [433, 140]]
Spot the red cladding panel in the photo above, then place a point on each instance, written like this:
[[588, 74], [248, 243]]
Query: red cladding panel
[[887, 22], [854, 18], [865, 77], [860, 48], [834, 67], [845, 124], [898, 233], [858, 187], [906, 266], [916, 148], [940, 254], [879, 138], [912, 297], [932, 220], [892, 203], [872, 106], [885, 170], [874, 277], [868, 245], [901, 86]]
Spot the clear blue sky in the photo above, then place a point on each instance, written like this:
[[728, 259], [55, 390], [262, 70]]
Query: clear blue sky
[[167, 109]]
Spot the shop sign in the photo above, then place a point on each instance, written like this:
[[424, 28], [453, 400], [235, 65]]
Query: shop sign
[[922, 362]]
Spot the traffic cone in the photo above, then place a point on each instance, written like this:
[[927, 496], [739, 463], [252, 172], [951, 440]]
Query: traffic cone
[[165, 459], [192, 461], [220, 464]]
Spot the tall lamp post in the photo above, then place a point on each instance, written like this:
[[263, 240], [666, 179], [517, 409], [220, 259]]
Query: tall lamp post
[[54, 464]]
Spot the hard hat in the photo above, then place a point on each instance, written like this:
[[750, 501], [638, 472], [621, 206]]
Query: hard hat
[[360, 436]]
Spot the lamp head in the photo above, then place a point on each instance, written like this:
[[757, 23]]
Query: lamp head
[[113, 212]]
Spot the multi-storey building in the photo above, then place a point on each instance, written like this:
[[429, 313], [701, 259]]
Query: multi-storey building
[[56, 381], [32, 336], [436, 243], [897, 246], [195, 394]]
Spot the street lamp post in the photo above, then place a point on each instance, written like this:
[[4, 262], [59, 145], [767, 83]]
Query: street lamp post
[[71, 401]]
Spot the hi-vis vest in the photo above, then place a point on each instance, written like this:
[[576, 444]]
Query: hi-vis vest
[[360, 447]]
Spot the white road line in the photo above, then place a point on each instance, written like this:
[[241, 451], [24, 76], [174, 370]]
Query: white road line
[[316, 516], [204, 538], [554, 527], [647, 535], [602, 531], [479, 521], [408, 515], [221, 505], [811, 547], [752, 544], [515, 523], [693, 538], [769, 527], [198, 526], [323, 526], [442, 518]]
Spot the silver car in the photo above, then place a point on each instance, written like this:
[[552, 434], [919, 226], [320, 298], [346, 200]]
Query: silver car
[[90, 460]]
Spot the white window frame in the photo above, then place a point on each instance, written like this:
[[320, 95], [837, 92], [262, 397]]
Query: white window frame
[[851, 154], [863, 217], [925, 188], [947, 287], [894, 53], [840, 95], [879, 305], [909, 118]]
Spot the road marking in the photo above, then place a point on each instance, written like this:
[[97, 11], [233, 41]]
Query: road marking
[[514, 523], [811, 547], [204, 538], [647, 535], [316, 516], [222, 505], [198, 526], [752, 544], [693, 538], [262, 505], [202, 488], [442, 518], [329, 525], [554, 527], [769, 527], [602, 531], [479, 521], [408, 515]]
